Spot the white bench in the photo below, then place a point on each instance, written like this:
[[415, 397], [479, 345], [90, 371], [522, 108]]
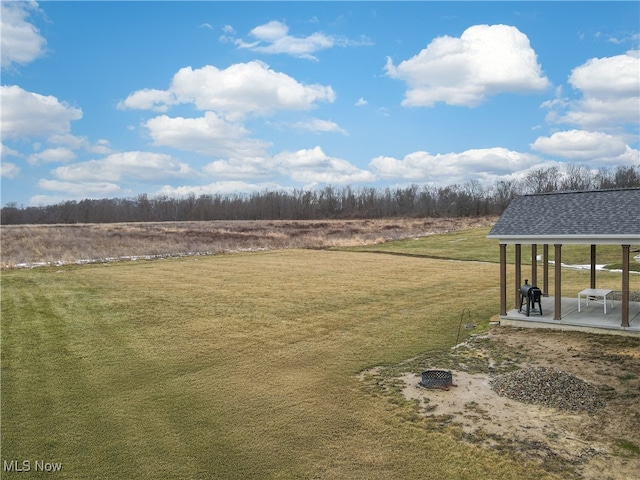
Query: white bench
[[594, 294]]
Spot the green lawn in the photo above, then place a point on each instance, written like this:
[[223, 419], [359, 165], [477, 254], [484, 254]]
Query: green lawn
[[473, 245], [238, 366]]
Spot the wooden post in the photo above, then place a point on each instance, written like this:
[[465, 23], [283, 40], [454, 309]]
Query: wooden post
[[545, 269], [534, 264], [518, 275], [558, 282], [503, 279], [593, 266], [625, 286]]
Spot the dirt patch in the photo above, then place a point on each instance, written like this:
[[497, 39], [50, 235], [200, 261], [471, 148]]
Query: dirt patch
[[602, 443]]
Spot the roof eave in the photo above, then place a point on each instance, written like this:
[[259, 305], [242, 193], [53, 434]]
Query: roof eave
[[631, 239]]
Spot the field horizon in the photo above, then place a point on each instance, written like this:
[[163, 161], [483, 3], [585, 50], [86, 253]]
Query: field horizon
[[24, 246]]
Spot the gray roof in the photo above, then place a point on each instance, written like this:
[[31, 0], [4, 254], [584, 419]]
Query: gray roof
[[595, 216]]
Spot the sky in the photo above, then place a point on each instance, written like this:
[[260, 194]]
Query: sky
[[119, 99]]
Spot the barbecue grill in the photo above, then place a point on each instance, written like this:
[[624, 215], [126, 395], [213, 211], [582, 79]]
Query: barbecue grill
[[531, 295]]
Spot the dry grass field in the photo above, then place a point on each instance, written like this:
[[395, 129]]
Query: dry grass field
[[28, 245]]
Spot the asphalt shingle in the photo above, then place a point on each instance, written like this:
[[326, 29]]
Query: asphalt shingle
[[595, 212]]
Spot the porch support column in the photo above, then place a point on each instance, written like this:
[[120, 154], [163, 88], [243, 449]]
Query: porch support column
[[545, 269], [503, 279], [593, 266], [518, 275], [534, 264], [625, 286], [558, 281]]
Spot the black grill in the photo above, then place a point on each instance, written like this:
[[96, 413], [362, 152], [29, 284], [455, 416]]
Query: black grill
[[531, 295]]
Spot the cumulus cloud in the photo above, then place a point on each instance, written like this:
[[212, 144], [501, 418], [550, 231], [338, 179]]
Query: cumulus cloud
[[6, 151], [241, 89], [237, 168], [314, 166], [74, 190], [610, 93], [139, 165], [28, 114], [148, 99], [317, 125], [309, 166], [207, 135], [486, 60], [21, 42], [52, 155], [273, 38], [9, 170], [585, 147], [220, 188], [486, 165]]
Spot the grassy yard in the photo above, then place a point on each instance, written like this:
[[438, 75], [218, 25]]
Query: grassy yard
[[240, 366], [472, 244]]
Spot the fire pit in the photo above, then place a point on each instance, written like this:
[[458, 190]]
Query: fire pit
[[442, 379]]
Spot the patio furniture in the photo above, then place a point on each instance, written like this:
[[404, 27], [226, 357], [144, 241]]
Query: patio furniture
[[593, 294]]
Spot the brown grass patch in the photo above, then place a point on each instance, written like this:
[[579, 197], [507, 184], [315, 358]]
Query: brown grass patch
[[31, 245]]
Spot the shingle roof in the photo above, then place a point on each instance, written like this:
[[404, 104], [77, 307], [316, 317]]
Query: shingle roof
[[579, 214]]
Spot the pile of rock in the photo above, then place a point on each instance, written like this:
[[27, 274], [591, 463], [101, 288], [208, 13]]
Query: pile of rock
[[549, 387]]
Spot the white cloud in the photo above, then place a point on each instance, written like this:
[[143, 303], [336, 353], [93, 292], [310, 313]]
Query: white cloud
[[148, 99], [57, 155], [314, 166], [303, 166], [273, 38], [6, 151], [361, 102], [317, 125], [21, 42], [270, 32], [74, 190], [610, 89], [485, 60], [27, 114], [221, 188], [102, 147], [9, 170], [207, 135], [585, 147], [70, 141], [115, 167], [486, 165], [241, 89], [236, 168]]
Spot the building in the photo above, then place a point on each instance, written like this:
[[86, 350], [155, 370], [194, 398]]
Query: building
[[551, 220]]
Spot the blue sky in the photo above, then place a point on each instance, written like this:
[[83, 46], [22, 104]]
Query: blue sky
[[116, 99]]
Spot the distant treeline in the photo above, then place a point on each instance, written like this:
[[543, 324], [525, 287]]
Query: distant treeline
[[470, 199]]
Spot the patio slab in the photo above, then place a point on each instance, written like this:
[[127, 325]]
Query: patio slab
[[591, 318]]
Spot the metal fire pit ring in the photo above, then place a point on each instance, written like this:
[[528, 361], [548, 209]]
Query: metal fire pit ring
[[442, 379]]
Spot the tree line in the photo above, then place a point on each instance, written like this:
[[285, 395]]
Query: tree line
[[468, 199]]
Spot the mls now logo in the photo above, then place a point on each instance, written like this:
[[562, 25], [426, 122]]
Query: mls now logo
[[27, 466]]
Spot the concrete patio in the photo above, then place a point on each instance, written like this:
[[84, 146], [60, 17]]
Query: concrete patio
[[591, 318]]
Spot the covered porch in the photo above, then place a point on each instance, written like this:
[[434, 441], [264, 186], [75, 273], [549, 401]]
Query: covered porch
[[586, 219], [591, 318]]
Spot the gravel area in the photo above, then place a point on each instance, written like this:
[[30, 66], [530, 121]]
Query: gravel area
[[549, 387]]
